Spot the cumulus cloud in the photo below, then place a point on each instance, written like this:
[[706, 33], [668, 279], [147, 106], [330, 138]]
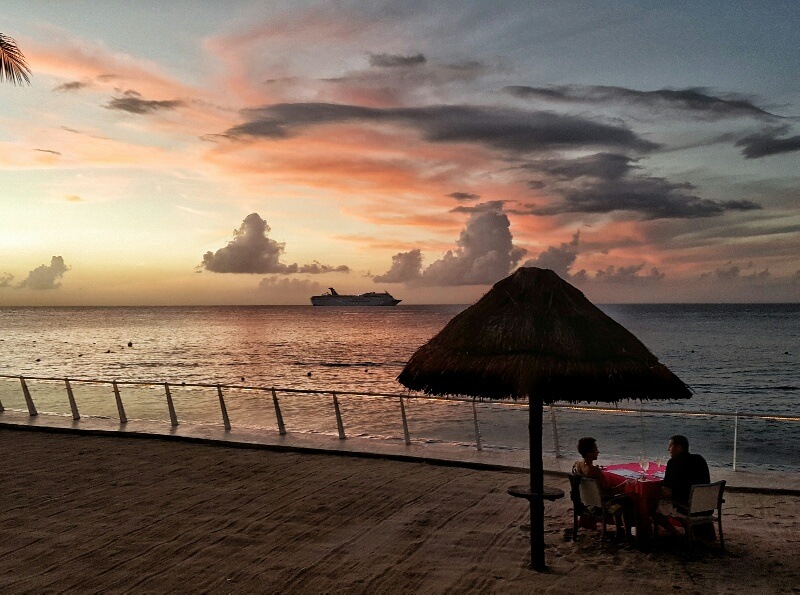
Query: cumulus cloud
[[392, 61], [500, 128], [406, 268], [484, 254], [560, 259], [697, 101], [730, 273], [768, 143], [132, 102], [46, 276], [629, 275], [252, 251], [5, 280]]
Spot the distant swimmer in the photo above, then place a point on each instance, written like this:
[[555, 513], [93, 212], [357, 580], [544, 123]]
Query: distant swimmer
[[130, 343]]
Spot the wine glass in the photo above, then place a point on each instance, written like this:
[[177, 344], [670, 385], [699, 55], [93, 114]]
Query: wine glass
[[644, 463]]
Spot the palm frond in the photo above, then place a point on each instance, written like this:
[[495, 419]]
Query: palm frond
[[13, 67]]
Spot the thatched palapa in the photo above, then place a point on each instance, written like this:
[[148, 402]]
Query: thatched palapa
[[536, 335]]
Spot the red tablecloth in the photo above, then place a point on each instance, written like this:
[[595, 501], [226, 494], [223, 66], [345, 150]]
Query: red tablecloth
[[644, 486]]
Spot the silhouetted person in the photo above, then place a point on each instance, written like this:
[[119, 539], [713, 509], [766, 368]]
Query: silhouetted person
[[684, 469]]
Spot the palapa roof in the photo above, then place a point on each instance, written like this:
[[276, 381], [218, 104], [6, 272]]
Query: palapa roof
[[533, 334]]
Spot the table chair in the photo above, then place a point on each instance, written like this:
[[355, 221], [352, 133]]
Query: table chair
[[590, 499], [704, 499]]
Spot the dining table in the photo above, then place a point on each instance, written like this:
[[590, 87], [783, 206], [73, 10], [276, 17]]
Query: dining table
[[642, 481]]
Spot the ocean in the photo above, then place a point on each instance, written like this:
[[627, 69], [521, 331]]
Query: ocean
[[741, 358]]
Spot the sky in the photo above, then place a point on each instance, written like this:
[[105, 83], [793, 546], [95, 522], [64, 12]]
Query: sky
[[192, 153]]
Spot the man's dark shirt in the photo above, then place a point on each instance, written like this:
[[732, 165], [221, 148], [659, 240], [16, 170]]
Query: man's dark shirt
[[682, 472]]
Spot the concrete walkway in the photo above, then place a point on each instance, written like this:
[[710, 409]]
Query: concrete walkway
[[432, 453]]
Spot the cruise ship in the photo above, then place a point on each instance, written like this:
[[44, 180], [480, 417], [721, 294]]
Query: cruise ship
[[331, 298]]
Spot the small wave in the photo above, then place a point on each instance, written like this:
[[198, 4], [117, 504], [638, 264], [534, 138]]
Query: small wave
[[340, 364]]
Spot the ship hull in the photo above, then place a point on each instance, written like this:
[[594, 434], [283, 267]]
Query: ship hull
[[353, 300]]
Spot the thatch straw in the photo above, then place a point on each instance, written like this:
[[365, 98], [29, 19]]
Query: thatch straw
[[536, 335]]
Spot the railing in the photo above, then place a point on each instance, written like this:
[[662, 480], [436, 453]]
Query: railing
[[402, 399]]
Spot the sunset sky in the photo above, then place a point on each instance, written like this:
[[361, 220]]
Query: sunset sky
[[259, 152]]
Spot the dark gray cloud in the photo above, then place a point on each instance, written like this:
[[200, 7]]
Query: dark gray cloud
[[48, 151], [72, 86], [406, 268], [251, 251], [559, 259], [602, 183], [506, 129], [132, 102], [606, 166], [629, 275], [392, 61], [46, 276], [464, 196], [484, 255], [697, 101], [768, 143]]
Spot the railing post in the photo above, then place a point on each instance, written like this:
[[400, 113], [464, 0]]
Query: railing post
[[735, 436], [556, 445], [405, 422], [72, 404], [172, 417], [225, 420], [477, 428], [123, 419], [279, 416], [338, 417], [28, 399]]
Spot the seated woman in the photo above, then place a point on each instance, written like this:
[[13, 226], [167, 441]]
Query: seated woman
[[623, 511]]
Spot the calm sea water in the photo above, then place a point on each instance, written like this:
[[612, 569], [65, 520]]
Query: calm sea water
[[742, 358]]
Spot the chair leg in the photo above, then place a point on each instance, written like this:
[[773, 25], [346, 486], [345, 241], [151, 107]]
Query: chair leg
[[721, 538], [575, 525]]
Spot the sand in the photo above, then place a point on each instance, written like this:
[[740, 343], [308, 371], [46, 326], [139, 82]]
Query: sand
[[114, 514]]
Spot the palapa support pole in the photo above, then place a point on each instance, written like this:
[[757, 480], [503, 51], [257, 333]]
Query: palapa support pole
[[537, 485], [28, 399], [279, 416], [405, 421], [339, 423], [172, 417], [123, 419], [72, 404], [226, 422]]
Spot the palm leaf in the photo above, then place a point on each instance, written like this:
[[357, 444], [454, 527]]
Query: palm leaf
[[13, 67]]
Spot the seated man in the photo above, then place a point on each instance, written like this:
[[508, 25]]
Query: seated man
[[684, 470], [587, 447]]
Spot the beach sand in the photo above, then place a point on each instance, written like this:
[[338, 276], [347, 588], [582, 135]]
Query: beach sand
[[114, 514]]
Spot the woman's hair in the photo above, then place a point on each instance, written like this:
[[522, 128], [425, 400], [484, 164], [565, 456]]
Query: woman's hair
[[586, 445]]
